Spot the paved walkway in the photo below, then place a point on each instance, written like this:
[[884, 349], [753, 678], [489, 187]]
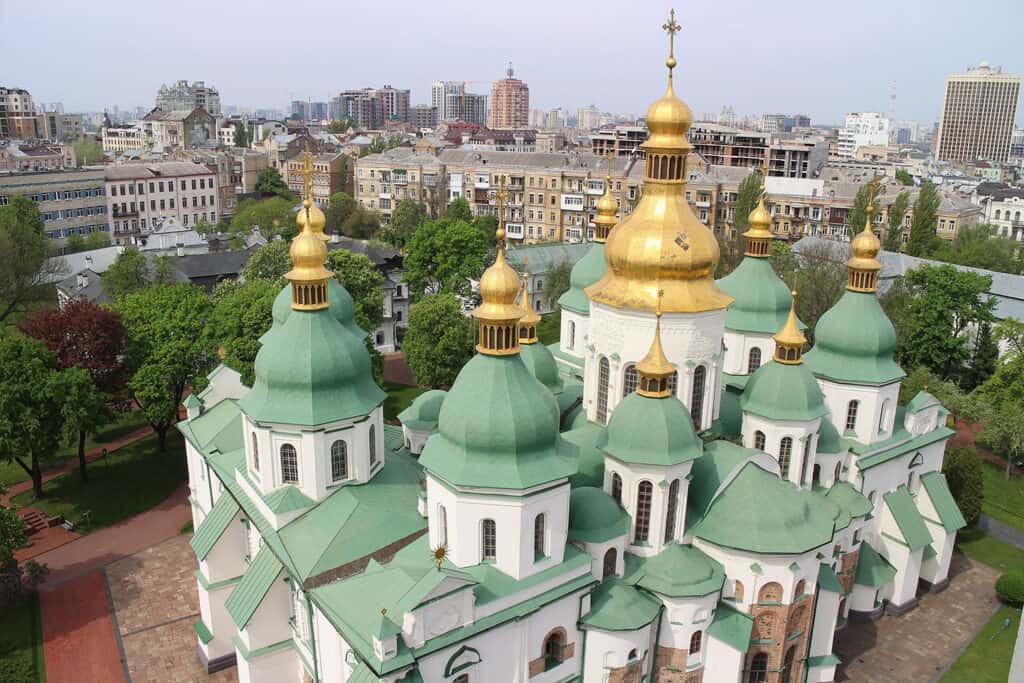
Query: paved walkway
[[920, 645], [79, 642], [396, 370], [1004, 532]]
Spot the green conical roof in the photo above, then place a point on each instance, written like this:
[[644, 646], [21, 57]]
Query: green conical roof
[[586, 272], [761, 298], [779, 391], [854, 342], [652, 431], [498, 428], [340, 303], [541, 363]]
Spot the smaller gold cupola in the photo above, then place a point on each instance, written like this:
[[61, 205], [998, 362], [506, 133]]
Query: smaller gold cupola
[[314, 216], [863, 264], [655, 369], [759, 234], [606, 208], [531, 319], [308, 254], [790, 341], [498, 315]]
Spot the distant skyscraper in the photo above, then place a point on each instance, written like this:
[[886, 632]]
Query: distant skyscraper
[[371, 108], [317, 111], [300, 108], [182, 95], [455, 103], [510, 103], [588, 118], [17, 114], [978, 112], [863, 129]]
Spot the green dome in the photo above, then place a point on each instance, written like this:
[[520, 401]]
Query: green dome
[[618, 606], [340, 303], [422, 414], [586, 272], [595, 517], [498, 428], [587, 438], [828, 438], [779, 391], [854, 342], [541, 363], [681, 571], [652, 431], [760, 513], [761, 299], [311, 370]]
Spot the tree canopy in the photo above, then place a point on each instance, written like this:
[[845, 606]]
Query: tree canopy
[[858, 216], [24, 250], [271, 184], [361, 224], [556, 282], [922, 225], [242, 313], [443, 255], [904, 178], [894, 231], [819, 279], [339, 209], [458, 210], [439, 340], [273, 216], [88, 151], [361, 278], [406, 217], [269, 262]]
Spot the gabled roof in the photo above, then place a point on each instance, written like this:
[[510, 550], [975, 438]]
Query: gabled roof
[[731, 627], [213, 526], [678, 571], [249, 593], [908, 519], [873, 570], [827, 579], [937, 487]]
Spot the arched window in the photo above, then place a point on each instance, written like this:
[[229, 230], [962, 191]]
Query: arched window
[[630, 380], [289, 464], [753, 360], [255, 453], [796, 619], [463, 678], [871, 498], [912, 481], [916, 461], [697, 396], [785, 455], [997, 214], [611, 562], [851, 415], [632, 655], [758, 668], [670, 513], [554, 647], [770, 592], [572, 334], [737, 591], [883, 417], [806, 459], [442, 526], [602, 390], [759, 440], [373, 445], [339, 460], [801, 586], [617, 487], [816, 474], [788, 664], [643, 512], [488, 539], [538, 536], [695, 643], [837, 473]]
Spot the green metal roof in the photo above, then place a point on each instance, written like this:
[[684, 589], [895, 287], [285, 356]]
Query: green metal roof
[[340, 305], [853, 502], [828, 438], [619, 606], [678, 571], [938, 491], [709, 472], [652, 431], [840, 516], [921, 401], [730, 417], [423, 411], [908, 519], [499, 428], [731, 627], [590, 462], [901, 444], [827, 580], [287, 498], [566, 359], [363, 674], [595, 517], [213, 525], [249, 593], [219, 428], [192, 402], [854, 342], [586, 272], [823, 660], [541, 363], [873, 570], [779, 391], [761, 299], [760, 513]]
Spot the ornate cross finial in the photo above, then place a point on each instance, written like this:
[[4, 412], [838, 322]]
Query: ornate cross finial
[[764, 175], [872, 194], [608, 158], [499, 234], [672, 28], [657, 308], [307, 173]]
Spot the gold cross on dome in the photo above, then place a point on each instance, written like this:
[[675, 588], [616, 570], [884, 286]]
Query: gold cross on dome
[[608, 157], [671, 27], [307, 172]]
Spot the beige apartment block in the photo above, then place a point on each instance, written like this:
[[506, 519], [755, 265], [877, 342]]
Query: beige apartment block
[[978, 112], [510, 103], [326, 176], [139, 193]]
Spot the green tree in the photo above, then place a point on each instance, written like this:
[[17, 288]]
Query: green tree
[[443, 256], [897, 211], [274, 216], [361, 224], [269, 262], [858, 216], [962, 468], [97, 240], [1005, 431], [74, 243], [488, 225], [459, 210], [556, 282], [12, 537], [382, 143], [24, 250], [406, 217], [818, 277], [88, 151], [922, 226], [904, 178], [84, 410], [983, 359], [241, 139], [128, 273], [270, 183], [364, 282], [242, 312], [746, 199], [339, 126], [979, 246], [439, 340], [167, 348], [338, 211]]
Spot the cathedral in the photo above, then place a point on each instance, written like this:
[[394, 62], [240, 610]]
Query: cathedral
[[677, 491]]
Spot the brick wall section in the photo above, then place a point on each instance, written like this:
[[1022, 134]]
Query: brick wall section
[[627, 674], [536, 666], [848, 569], [776, 623], [670, 666]]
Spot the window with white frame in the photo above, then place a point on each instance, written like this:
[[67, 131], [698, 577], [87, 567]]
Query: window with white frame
[[289, 464], [339, 460], [488, 540]]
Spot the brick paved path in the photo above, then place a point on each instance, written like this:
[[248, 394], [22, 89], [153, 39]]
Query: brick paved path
[[920, 645], [79, 643], [396, 370]]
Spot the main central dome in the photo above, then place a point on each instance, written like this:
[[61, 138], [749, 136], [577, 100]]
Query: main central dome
[[662, 245]]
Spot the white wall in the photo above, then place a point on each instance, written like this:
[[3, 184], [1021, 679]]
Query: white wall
[[869, 411], [738, 346], [610, 650], [661, 479], [774, 568], [570, 342], [803, 433]]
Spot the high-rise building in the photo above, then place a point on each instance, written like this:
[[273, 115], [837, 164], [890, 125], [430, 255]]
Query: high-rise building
[[423, 116], [185, 96], [317, 111], [455, 103], [978, 112], [588, 118], [863, 129], [17, 114], [300, 108], [510, 102], [394, 103], [370, 108]]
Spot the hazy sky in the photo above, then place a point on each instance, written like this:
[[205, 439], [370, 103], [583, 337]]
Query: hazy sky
[[823, 58]]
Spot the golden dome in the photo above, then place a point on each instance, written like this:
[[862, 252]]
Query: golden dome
[[865, 246], [654, 369], [316, 219], [499, 285], [308, 254], [607, 207], [531, 319], [668, 119], [790, 341]]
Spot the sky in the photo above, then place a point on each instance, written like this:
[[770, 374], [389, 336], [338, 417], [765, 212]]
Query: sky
[[823, 58]]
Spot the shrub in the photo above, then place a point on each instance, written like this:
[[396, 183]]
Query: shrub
[[1010, 587], [963, 473], [35, 574]]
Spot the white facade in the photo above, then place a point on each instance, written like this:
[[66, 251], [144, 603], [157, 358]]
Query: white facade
[[863, 129]]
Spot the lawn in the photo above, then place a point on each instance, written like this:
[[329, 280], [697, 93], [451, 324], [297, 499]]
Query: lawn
[[987, 550], [21, 644], [399, 398], [11, 472], [987, 659], [1004, 499], [132, 480]]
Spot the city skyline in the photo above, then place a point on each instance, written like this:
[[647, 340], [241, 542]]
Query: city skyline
[[568, 60]]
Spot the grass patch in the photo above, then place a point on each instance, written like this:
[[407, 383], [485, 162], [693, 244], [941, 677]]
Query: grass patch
[[550, 328], [987, 659], [976, 545], [126, 423], [132, 480], [399, 398], [1004, 499], [186, 528], [21, 643]]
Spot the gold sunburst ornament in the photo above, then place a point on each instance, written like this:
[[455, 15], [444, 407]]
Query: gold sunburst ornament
[[439, 554]]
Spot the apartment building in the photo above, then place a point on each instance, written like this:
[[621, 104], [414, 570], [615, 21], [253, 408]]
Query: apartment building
[[620, 140], [371, 108], [122, 137], [423, 116], [70, 202], [17, 114], [179, 128], [137, 194], [454, 102], [862, 129], [237, 173], [382, 180], [978, 112], [183, 95], [1003, 207], [510, 102], [27, 157], [60, 127], [326, 176], [728, 146]]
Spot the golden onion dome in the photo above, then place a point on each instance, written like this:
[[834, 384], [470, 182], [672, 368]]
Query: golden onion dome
[[530, 315], [759, 222], [668, 119], [499, 289], [308, 253], [315, 218], [865, 247]]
